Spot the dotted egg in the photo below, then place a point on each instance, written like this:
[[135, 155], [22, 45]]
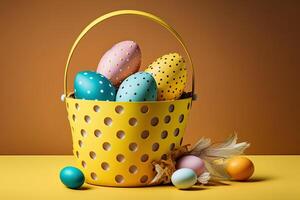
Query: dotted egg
[[90, 85], [122, 60], [170, 74], [140, 86]]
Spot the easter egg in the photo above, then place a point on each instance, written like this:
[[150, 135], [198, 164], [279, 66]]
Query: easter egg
[[239, 168], [170, 74], [192, 162], [140, 86], [71, 177], [122, 60], [93, 86], [184, 178]]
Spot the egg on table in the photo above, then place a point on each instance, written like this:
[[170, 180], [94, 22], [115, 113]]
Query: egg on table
[[71, 177], [140, 86], [239, 168], [122, 60], [93, 86], [170, 74], [184, 178], [192, 162]]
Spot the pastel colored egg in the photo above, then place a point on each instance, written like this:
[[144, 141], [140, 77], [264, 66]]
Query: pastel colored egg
[[140, 86], [192, 162], [71, 177], [122, 60], [239, 168], [93, 86], [170, 74], [184, 178]]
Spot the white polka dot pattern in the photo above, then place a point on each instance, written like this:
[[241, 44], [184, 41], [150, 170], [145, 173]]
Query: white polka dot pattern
[[93, 86], [122, 60]]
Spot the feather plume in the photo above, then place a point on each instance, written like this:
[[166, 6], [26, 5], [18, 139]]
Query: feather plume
[[225, 149], [202, 144], [217, 170], [204, 178], [214, 154]]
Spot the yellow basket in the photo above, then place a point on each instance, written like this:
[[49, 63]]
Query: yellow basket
[[115, 142]]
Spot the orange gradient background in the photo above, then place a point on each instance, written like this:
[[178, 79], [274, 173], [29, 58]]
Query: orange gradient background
[[246, 56]]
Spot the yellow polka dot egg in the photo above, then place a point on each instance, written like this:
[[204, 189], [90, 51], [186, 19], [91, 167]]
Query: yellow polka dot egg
[[170, 74]]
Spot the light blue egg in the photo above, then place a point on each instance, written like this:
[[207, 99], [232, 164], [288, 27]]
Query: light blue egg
[[184, 178], [140, 86], [93, 86], [71, 177]]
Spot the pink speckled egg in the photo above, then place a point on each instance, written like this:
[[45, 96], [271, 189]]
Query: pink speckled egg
[[122, 60], [192, 162]]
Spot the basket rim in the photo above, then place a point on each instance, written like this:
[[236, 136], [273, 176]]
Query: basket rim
[[71, 97]]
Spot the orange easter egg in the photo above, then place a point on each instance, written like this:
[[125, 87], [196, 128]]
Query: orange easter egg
[[239, 168]]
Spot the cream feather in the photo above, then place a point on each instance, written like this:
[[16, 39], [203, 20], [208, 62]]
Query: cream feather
[[214, 154]]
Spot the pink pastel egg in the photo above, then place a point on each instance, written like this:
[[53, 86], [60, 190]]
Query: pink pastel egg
[[119, 62], [192, 162]]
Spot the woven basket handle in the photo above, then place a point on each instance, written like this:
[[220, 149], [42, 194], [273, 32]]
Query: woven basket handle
[[128, 12]]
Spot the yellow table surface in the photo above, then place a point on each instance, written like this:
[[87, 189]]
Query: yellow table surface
[[37, 177]]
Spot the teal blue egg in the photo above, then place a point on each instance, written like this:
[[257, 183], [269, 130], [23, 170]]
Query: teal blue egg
[[71, 177], [140, 86], [93, 86], [184, 178]]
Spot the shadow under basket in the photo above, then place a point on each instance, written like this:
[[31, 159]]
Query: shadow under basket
[[115, 142]]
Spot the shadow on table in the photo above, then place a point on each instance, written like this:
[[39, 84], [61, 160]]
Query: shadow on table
[[251, 180], [196, 188], [258, 179], [217, 183], [85, 187]]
